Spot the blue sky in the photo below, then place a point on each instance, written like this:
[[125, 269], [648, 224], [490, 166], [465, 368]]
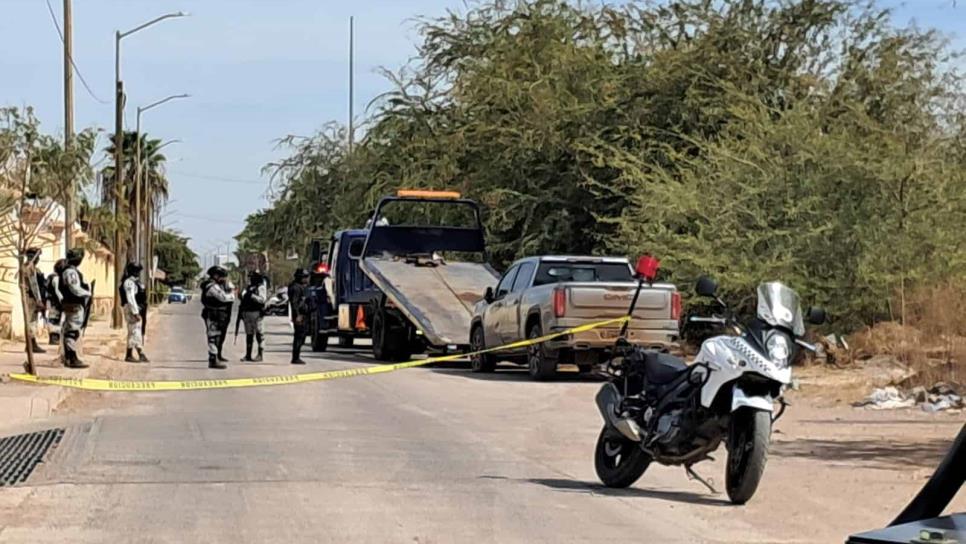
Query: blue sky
[[256, 70]]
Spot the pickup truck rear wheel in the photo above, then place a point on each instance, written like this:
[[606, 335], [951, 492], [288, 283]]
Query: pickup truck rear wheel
[[541, 362], [483, 362]]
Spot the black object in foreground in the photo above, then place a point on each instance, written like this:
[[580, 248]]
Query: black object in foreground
[[920, 522]]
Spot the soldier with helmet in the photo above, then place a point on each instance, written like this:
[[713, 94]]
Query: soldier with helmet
[[217, 297], [298, 299], [54, 302], [134, 300], [252, 312], [74, 296], [36, 297]]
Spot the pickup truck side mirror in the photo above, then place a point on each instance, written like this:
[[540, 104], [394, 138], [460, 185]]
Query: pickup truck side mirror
[[488, 295]]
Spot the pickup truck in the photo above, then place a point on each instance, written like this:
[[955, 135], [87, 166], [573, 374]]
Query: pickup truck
[[425, 254], [544, 295]]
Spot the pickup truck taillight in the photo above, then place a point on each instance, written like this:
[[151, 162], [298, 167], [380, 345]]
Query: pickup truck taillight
[[675, 306], [559, 302]]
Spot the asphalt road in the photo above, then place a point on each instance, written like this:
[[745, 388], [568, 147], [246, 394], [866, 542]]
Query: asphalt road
[[421, 455]]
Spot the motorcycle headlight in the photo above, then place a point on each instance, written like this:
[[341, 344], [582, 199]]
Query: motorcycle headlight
[[778, 349]]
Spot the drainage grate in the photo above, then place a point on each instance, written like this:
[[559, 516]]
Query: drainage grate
[[20, 454]]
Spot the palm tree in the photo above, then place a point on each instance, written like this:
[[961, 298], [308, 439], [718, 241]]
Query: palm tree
[[153, 176]]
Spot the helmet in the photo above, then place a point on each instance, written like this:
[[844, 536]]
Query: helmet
[[75, 256], [133, 269], [60, 265], [32, 254], [217, 271], [255, 277], [301, 273]]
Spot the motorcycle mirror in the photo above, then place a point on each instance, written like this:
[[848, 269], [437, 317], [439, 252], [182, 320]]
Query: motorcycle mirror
[[706, 287], [816, 316], [647, 267], [488, 295]]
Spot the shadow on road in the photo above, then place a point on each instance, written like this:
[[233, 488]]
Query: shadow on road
[[868, 452], [576, 486], [510, 374]]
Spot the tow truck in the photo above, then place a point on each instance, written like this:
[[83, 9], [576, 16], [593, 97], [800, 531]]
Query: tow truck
[[338, 291], [425, 253]]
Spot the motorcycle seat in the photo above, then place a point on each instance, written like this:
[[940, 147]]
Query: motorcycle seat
[[661, 368]]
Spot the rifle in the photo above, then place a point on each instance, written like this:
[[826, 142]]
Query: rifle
[[144, 316], [87, 306], [237, 322]]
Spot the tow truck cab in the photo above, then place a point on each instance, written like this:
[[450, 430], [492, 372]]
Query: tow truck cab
[[339, 292]]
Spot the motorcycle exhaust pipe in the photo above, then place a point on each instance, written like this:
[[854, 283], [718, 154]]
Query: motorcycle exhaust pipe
[[608, 400]]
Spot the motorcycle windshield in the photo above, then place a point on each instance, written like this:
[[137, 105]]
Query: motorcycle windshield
[[778, 305]]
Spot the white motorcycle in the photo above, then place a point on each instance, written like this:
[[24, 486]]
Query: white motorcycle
[[658, 408]]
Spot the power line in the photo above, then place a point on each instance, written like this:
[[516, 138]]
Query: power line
[[80, 76], [218, 178]]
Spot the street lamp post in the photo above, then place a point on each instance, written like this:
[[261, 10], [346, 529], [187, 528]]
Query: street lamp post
[[139, 175], [119, 156]]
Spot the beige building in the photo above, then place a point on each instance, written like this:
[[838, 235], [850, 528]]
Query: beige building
[[50, 235]]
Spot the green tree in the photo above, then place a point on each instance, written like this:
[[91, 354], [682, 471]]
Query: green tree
[[178, 261]]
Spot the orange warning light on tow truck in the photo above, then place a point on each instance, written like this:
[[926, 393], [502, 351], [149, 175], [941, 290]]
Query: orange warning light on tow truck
[[425, 193]]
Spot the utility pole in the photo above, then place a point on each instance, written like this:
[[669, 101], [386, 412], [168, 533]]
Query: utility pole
[[68, 123], [351, 55], [116, 321], [118, 183]]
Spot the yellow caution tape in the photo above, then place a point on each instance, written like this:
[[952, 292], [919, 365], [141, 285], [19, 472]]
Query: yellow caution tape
[[91, 384]]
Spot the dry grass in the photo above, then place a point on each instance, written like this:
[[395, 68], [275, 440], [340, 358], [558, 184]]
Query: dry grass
[[932, 341]]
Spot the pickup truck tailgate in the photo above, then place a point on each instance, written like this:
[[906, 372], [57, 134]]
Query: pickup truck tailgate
[[437, 299], [607, 300]]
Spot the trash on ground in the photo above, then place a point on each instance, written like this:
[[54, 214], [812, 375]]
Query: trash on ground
[[941, 396]]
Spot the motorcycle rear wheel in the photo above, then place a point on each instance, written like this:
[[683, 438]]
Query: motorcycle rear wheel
[[619, 462], [748, 441]]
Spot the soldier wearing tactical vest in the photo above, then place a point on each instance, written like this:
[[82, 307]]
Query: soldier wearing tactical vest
[[54, 303], [252, 313], [133, 298], [36, 299], [217, 296], [74, 294]]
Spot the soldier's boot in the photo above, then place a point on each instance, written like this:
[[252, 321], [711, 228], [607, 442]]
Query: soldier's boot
[[258, 358], [129, 356], [221, 358], [213, 362], [74, 362], [249, 340], [36, 346], [142, 358]]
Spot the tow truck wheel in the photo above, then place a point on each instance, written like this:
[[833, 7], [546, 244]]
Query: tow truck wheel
[[389, 343], [482, 362]]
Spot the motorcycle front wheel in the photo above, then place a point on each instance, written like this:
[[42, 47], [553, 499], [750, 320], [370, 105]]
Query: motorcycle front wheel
[[748, 441], [619, 462]]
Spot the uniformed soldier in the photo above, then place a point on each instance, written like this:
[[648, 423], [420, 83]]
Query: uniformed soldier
[[74, 294], [54, 303], [300, 311], [217, 296], [252, 313], [133, 298], [36, 299]]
